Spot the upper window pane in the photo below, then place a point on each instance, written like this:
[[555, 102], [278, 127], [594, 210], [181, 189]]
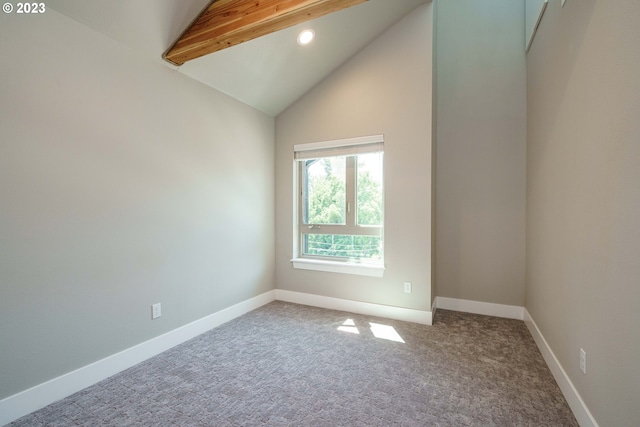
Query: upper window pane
[[369, 190], [324, 191]]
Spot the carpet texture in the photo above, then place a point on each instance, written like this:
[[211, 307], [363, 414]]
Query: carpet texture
[[292, 365]]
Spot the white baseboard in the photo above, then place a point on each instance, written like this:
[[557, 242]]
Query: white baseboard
[[379, 310], [477, 307], [577, 405], [27, 401]]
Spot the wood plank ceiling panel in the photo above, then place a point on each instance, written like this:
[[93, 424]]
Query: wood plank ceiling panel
[[226, 23]]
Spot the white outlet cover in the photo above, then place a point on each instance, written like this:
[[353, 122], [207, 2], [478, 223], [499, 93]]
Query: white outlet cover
[[156, 311], [407, 287]]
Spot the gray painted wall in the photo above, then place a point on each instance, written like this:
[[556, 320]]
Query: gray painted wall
[[480, 150], [122, 184], [385, 89], [583, 198]]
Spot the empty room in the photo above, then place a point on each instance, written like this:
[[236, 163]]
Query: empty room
[[320, 213]]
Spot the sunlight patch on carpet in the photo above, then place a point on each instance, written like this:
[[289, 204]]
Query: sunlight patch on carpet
[[385, 332], [349, 326]]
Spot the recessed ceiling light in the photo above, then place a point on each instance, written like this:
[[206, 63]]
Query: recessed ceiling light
[[305, 37]]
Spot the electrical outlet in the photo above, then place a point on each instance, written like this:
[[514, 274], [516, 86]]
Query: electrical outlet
[[407, 287], [583, 361], [156, 311]]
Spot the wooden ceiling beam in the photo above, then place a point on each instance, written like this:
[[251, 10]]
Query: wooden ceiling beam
[[226, 23]]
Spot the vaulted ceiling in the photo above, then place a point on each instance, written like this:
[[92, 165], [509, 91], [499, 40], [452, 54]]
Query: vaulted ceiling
[[226, 23], [268, 72]]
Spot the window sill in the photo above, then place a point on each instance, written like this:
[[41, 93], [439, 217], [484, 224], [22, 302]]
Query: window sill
[[338, 267]]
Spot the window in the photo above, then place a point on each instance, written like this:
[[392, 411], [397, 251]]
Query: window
[[340, 205]]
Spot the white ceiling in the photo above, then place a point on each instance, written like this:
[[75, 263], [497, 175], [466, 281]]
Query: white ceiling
[[268, 73]]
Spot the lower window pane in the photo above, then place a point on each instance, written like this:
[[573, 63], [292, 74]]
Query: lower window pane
[[339, 245]]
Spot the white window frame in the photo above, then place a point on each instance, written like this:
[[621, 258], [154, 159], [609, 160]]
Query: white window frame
[[343, 147]]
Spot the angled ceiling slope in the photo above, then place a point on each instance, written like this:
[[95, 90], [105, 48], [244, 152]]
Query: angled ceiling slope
[[226, 23], [268, 73]]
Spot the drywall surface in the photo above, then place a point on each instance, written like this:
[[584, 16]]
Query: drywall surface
[[533, 11], [583, 198], [385, 89], [480, 150], [122, 184]]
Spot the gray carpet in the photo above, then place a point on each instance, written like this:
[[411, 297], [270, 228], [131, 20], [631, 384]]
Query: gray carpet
[[292, 365]]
